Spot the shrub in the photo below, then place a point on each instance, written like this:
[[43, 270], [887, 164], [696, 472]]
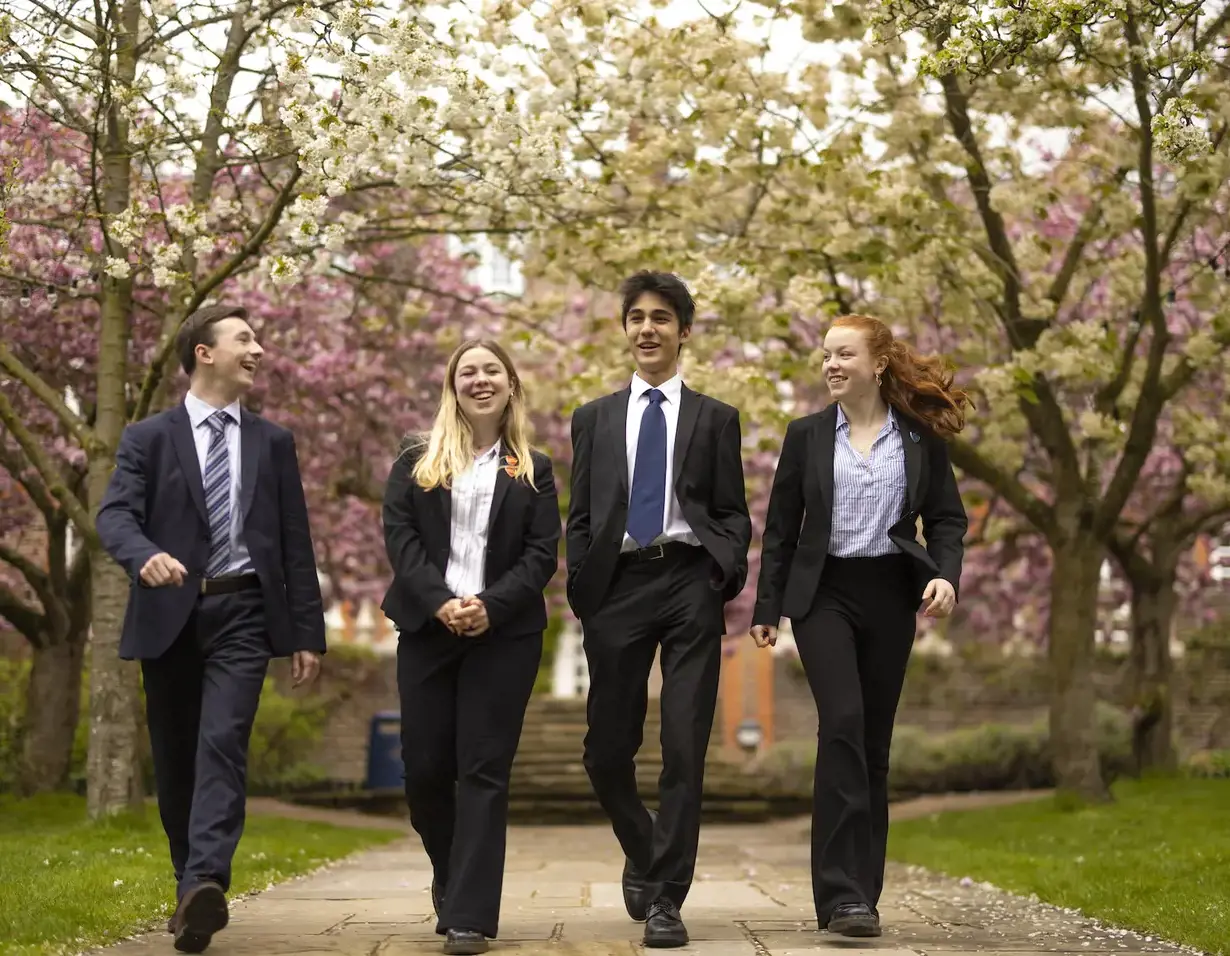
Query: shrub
[[990, 757], [1208, 763], [13, 678], [286, 732]]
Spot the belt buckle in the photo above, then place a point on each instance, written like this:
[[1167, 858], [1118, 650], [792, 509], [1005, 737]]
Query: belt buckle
[[204, 582], [649, 554]]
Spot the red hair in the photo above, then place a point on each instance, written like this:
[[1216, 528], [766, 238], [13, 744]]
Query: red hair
[[920, 386]]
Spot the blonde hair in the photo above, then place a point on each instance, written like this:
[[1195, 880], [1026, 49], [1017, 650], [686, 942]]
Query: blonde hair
[[921, 386], [450, 443]]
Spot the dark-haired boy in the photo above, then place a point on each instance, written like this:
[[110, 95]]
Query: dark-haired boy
[[206, 513], [657, 540]]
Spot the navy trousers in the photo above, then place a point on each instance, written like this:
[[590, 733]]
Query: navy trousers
[[201, 698]]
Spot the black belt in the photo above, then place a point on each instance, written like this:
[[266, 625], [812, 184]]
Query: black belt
[[656, 552], [238, 582]]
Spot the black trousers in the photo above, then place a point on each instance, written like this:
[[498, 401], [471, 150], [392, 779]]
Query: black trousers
[[854, 645], [463, 702], [669, 602], [201, 698]]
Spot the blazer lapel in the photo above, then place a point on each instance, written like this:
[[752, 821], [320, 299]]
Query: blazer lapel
[[249, 459], [502, 483], [185, 450], [911, 442], [689, 412], [827, 423], [616, 428]]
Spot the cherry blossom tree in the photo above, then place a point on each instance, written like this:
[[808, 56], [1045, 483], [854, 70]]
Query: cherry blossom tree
[[190, 144]]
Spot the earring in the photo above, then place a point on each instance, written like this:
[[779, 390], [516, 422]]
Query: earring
[[878, 382]]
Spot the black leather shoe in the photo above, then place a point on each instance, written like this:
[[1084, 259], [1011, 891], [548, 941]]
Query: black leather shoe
[[854, 919], [634, 892], [664, 928], [464, 942], [634, 886], [202, 912], [437, 897]]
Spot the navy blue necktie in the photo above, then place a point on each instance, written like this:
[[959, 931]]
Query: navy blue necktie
[[648, 501]]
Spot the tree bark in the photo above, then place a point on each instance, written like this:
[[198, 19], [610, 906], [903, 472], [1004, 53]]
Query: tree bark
[[1149, 668], [53, 706], [113, 771], [1073, 624]]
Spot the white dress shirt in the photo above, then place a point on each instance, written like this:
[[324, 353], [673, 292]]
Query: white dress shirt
[[199, 412], [868, 493], [674, 526], [472, 492]]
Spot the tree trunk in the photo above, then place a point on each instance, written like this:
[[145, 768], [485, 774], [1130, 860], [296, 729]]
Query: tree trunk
[[1073, 624], [1153, 608], [53, 705], [113, 771]]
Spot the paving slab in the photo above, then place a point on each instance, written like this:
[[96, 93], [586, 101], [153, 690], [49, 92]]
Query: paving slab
[[752, 897]]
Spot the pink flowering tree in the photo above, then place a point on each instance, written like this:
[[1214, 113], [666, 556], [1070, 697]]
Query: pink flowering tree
[[355, 352]]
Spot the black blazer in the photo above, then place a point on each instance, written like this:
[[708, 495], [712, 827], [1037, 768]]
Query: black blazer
[[523, 534], [796, 533], [708, 484], [155, 502]]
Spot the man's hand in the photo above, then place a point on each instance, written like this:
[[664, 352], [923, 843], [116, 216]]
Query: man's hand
[[162, 569], [447, 614], [304, 667], [942, 597], [765, 635], [472, 618]]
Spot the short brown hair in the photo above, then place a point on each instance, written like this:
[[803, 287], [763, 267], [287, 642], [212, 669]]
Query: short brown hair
[[198, 329]]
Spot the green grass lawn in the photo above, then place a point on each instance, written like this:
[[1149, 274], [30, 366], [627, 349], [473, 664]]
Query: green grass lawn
[[67, 884], [1157, 860]]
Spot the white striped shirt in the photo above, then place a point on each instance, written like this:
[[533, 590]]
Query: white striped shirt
[[868, 493], [472, 492]]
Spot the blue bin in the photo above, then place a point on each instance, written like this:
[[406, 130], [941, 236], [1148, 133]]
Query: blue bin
[[385, 769]]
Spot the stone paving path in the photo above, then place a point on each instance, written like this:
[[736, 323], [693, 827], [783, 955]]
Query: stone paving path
[[752, 897]]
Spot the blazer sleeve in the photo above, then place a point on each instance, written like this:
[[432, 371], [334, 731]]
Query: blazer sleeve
[[121, 515], [578, 535], [943, 516], [422, 580], [781, 528], [307, 612], [729, 505], [528, 578]]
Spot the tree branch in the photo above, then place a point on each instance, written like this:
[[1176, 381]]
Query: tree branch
[[27, 620], [47, 395], [36, 577], [47, 471], [166, 342], [1084, 232], [1036, 511], [17, 466]]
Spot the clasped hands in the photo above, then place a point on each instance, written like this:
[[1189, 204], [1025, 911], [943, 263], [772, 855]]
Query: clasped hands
[[940, 596], [464, 615]]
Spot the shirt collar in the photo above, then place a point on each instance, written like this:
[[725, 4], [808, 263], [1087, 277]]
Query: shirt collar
[[488, 456], [843, 422], [672, 388], [199, 410]]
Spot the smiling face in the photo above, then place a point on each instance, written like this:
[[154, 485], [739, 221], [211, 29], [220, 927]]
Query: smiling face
[[233, 358], [849, 368], [482, 384], [653, 332]]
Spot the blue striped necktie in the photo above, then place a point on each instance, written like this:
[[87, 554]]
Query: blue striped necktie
[[218, 495]]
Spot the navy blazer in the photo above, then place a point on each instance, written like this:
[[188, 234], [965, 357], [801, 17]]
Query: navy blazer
[[800, 518], [523, 532], [155, 502], [708, 485]]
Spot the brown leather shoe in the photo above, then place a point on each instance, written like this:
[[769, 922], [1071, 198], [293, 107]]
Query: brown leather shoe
[[201, 913]]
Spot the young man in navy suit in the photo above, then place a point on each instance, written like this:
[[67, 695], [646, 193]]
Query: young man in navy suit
[[658, 532], [206, 513]]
